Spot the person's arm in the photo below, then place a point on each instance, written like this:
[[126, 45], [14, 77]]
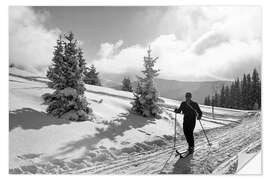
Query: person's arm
[[180, 109], [199, 111]]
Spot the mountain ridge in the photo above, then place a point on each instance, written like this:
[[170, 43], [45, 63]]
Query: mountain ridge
[[173, 89]]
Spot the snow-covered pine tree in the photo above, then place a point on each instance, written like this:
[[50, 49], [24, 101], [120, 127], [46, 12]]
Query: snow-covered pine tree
[[65, 75], [126, 84], [82, 63], [91, 76], [146, 95]]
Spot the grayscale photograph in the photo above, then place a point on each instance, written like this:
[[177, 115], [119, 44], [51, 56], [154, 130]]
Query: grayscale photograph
[[135, 90]]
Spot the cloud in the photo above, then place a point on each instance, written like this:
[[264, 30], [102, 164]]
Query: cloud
[[192, 43], [126, 60], [209, 40], [30, 43], [109, 49], [214, 44]]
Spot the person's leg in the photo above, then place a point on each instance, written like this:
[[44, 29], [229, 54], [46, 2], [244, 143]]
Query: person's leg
[[191, 147], [186, 128], [188, 131]]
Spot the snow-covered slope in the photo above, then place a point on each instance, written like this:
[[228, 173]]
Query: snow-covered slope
[[39, 142]]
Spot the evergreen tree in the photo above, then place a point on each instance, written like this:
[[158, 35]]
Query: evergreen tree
[[244, 93], [259, 95], [55, 73], [237, 94], [227, 97], [65, 75], [249, 93], [213, 101], [216, 99], [256, 89], [210, 100], [82, 63], [207, 101], [91, 76], [146, 95], [232, 96], [126, 84], [222, 97]]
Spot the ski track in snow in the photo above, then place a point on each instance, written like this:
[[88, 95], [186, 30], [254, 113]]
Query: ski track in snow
[[225, 145], [230, 132]]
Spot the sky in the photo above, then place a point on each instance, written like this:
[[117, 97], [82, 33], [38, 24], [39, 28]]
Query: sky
[[192, 43]]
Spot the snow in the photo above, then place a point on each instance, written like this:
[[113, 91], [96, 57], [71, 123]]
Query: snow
[[109, 92], [36, 137], [47, 140], [253, 167], [21, 72], [33, 132], [26, 95]]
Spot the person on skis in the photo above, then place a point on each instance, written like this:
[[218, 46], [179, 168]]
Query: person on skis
[[191, 111]]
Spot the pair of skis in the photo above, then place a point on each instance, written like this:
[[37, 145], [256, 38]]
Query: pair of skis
[[182, 154]]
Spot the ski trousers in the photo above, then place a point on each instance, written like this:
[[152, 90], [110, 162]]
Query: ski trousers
[[188, 127]]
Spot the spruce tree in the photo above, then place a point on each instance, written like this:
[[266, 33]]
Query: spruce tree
[[65, 75], [222, 97], [212, 100], [216, 99], [126, 84], [91, 76], [237, 94], [241, 94], [82, 63], [55, 73], [249, 93], [146, 94], [207, 101], [244, 93], [256, 89], [227, 96], [259, 95], [230, 100]]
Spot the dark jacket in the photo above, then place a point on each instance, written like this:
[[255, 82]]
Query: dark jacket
[[190, 112]]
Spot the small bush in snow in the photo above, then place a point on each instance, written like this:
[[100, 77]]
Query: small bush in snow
[[146, 95], [66, 77]]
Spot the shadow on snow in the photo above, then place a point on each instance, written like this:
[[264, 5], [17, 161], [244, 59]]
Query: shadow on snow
[[127, 122], [28, 118], [183, 165]]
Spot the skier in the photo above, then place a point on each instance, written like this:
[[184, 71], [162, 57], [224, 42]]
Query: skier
[[191, 111]]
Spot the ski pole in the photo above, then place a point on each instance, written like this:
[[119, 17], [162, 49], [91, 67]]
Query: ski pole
[[205, 134]]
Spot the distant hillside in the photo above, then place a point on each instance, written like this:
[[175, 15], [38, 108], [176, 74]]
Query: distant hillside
[[176, 89], [171, 88]]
